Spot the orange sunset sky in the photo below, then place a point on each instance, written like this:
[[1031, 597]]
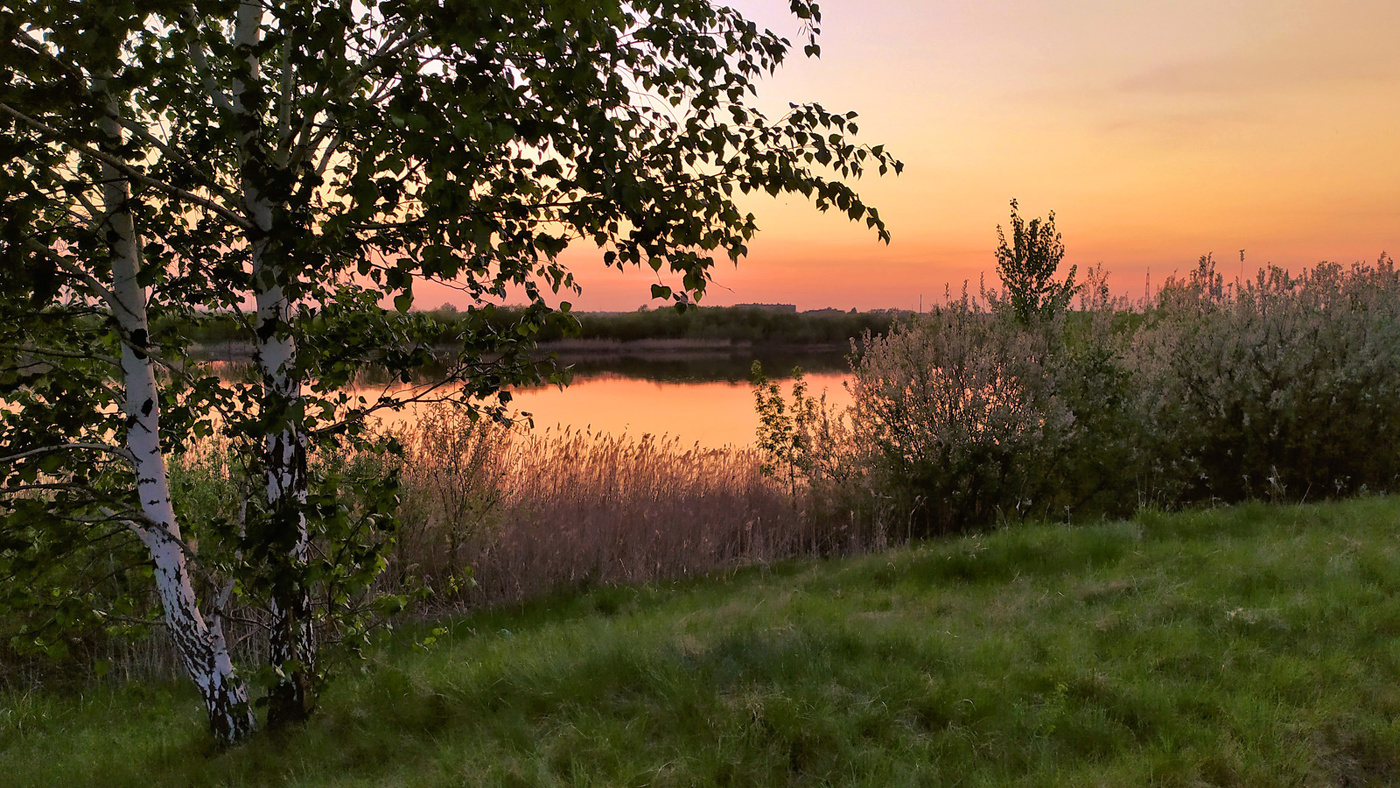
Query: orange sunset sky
[[1156, 131]]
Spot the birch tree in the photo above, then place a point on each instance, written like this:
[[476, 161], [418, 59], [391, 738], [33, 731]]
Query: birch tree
[[83, 425], [307, 163]]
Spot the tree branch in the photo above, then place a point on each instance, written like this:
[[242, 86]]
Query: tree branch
[[140, 131], [99, 447], [54, 352], [96, 288], [128, 170], [201, 63], [150, 139]]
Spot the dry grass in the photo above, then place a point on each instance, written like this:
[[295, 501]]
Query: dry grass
[[529, 513], [492, 514]]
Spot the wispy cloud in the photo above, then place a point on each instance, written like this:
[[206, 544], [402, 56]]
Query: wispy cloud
[[1273, 71]]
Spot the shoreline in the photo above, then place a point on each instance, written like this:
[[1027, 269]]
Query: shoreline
[[664, 349]]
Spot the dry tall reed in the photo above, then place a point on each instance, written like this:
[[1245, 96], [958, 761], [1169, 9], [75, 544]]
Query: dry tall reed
[[530, 513]]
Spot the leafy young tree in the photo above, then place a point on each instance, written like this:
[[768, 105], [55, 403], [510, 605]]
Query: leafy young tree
[[784, 432], [299, 164], [1027, 267]]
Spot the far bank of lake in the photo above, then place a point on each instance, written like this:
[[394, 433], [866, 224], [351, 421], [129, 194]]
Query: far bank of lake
[[699, 392]]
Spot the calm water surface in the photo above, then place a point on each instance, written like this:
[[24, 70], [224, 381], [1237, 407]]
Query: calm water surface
[[706, 400], [711, 413]]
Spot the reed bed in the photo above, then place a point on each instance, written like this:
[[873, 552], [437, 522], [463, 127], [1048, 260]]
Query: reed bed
[[493, 513], [524, 513]]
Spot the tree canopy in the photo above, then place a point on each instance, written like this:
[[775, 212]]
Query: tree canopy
[[301, 165]]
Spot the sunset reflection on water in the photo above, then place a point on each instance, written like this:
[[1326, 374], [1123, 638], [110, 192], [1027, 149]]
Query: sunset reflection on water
[[709, 413]]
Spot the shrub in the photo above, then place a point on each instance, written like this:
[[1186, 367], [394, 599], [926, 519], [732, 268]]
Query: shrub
[[1281, 386], [961, 414], [455, 477], [808, 445]]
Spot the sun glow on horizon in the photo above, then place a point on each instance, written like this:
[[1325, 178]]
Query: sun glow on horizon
[[1157, 132]]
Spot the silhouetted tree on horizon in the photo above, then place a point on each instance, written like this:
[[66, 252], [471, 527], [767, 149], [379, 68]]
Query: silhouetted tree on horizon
[[1028, 264]]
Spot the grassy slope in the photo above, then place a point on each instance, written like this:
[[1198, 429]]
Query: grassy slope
[[1243, 646]]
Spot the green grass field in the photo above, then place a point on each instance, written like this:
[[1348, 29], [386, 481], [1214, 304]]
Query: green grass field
[[1251, 646]]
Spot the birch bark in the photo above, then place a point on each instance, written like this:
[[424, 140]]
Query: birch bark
[[292, 647], [200, 642]]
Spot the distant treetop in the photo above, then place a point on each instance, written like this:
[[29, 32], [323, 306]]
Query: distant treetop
[[770, 307]]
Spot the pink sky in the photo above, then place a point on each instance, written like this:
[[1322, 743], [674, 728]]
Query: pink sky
[[1156, 131]]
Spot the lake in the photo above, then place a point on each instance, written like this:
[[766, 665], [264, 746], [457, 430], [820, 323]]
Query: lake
[[711, 413], [697, 394]]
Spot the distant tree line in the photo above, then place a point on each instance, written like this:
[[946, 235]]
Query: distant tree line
[[757, 324], [735, 323]]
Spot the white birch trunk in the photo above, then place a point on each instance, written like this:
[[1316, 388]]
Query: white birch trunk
[[200, 643], [291, 647], [292, 643]]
